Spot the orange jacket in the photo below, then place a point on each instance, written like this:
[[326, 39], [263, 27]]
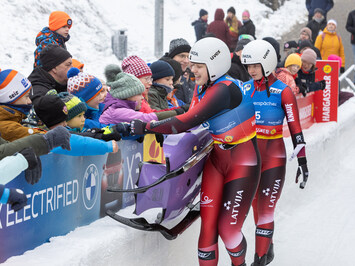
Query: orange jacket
[[330, 43], [10, 127]]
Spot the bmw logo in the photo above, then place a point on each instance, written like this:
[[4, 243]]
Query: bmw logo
[[90, 188]]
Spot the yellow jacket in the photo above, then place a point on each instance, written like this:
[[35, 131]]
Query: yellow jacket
[[10, 124], [330, 43]]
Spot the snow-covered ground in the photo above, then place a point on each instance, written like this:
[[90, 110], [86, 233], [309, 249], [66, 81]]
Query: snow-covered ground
[[313, 226]]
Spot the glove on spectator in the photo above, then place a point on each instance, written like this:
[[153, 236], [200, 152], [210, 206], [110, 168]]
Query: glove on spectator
[[123, 128], [322, 84], [58, 136], [342, 70], [34, 171], [17, 199]]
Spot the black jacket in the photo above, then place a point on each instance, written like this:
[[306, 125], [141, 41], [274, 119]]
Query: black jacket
[[350, 25], [308, 81], [248, 28], [42, 82], [316, 27], [237, 70], [200, 28]]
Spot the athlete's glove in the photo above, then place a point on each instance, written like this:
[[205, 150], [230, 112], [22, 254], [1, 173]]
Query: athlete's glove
[[302, 169], [17, 199], [160, 139], [138, 127], [34, 171]]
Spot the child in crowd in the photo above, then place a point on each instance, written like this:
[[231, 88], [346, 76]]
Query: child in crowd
[[288, 74], [306, 75], [136, 66], [88, 89], [123, 102], [15, 105], [163, 75], [53, 112], [57, 33], [78, 65], [248, 26]]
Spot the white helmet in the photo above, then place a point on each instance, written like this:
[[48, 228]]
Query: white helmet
[[214, 53], [260, 52]]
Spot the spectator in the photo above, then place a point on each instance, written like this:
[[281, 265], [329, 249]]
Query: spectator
[[234, 24], [329, 42], [56, 62], [237, 70], [307, 44], [343, 95], [288, 74], [219, 28], [15, 105], [325, 5], [200, 25], [317, 24], [78, 64], [88, 89], [248, 27], [137, 67], [53, 112], [306, 76], [125, 97], [305, 34], [173, 101], [163, 75], [350, 27], [57, 33], [290, 47], [179, 50]]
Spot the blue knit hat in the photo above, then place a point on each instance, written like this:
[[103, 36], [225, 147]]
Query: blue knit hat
[[82, 85], [161, 69]]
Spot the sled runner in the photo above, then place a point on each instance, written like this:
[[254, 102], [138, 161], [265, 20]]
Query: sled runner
[[171, 187]]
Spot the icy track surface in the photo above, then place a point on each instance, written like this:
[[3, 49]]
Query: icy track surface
[[313, 226]]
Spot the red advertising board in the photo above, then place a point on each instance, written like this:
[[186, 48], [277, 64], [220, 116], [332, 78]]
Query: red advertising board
[[326, 101], [319, 106]]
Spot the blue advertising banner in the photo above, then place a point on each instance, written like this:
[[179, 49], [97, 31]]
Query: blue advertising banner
[[68, 195]]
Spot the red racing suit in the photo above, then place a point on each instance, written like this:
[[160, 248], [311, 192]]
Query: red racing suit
[[270, 113], [232, 171]]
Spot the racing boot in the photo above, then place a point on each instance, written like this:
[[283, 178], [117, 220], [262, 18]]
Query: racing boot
[[259, 261], [270, 254]]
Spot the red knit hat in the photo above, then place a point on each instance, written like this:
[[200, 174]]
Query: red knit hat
[[136, 66], [58, 19]]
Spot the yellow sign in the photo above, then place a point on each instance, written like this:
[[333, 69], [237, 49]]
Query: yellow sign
[[152, 152], [327, 69]]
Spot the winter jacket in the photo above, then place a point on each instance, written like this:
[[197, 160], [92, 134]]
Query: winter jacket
[[316, 28], [36, 142], [10, 122], [116, 111], [185, 90], [234, 24], [145, 108], [12, 166], [238, 70], [219, 28], [325, 5], [248, 28], [85, 146], [330, 43], [45, 37], [286, 77], [200, 27], [350, 25], [157, 97], [92, 117], [307, 79], [42, 82]]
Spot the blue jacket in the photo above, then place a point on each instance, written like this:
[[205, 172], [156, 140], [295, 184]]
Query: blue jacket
[[45, 37], [92, 117], [85, 146], [325, 5]]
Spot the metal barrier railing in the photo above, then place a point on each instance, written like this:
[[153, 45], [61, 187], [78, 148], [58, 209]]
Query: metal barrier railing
[[345, 75]]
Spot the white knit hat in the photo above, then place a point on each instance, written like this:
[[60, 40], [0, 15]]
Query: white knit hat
[[333, 21], [13, 86]]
